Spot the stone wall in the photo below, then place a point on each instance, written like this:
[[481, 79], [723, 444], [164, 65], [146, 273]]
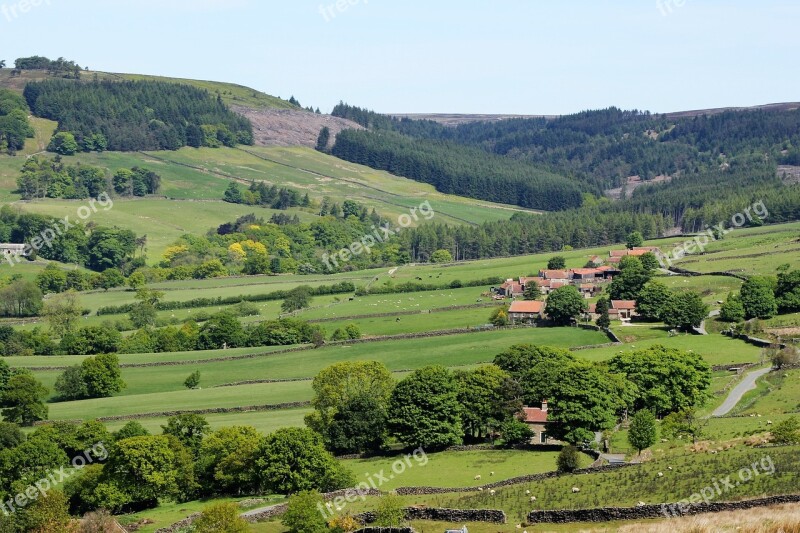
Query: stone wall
[[606, 514], [435, 514]]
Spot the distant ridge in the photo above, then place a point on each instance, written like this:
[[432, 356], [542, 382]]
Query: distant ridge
[[454, 119]]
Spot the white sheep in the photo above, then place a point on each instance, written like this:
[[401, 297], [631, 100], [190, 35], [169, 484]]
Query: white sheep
[[669, 468], [527, 492], [478, 477], [533, 499], [661, 474], [575, 490], [769, 422], [491, 473], [480, 489], [640, 504], [491, 492]]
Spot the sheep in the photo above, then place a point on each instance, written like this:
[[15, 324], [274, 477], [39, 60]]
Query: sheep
[[669, 468], [769, 422], [640, 504], [478, 477], [661, 474], [491, 492], [480, 489], [533, 499], [575, 490], [527, 492], [491, 473]]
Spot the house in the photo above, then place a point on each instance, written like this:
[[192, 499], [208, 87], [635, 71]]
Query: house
[[588, 290], [623, 309], [609, 271], [636, 252], [510, 289], [596, 260], [554, 274], [586, 273], [526, 311], [536, 420], [15, 250]]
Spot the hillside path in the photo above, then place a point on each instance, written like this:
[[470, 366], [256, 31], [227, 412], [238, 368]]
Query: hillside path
[[747, 384]]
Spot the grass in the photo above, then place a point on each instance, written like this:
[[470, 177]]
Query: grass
[[775, 393], [455, 469]]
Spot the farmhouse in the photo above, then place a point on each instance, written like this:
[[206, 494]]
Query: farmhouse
[[622, 309], [525, 311], [636, 252], [536, 420], [511, 289], [12, 250], [554, 274]]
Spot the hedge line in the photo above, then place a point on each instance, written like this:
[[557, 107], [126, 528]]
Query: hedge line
[[338, 288]]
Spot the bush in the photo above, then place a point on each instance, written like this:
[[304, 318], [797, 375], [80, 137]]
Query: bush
[[516, 432], [569, 459]]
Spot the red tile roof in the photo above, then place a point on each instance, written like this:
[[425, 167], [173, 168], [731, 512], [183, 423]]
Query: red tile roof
[[585, 271], [534, 415], [554, 274], [592, 308], [530, 306], [623, 304]]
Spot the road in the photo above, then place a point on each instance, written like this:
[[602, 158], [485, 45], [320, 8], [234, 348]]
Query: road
[[747, 384]]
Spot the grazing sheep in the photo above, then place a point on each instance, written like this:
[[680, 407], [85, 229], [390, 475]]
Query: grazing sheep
[[478, 477], [480, 489], [640, 504], [533, 499], [491, 473], [527, 493], [575, 490], [669, 468], [491, 492], [769, 422], [661, 474]]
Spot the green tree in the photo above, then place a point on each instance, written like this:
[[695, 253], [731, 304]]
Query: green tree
[[787, 291], [685, 310], [337, 385], [63, 143], [48, 513], [568, 460], [642, 432], [667, 379], [131, 429], [586, 399], [226, 460], [556, 263], [515, 431], [22, 400], [424, 409], [189, 429], [220, 518], [733, 309], [634, 240], [102, 375], [442, 256], [136, 280], [297, 298], [323, 139], [486, 399], [193, 381], [653, 300], [532, 291], [70, 385], [10, 435], [358, 426], [601, 307], [51, 279], [787, 432], [303, 513], [499, 316], [565, 304], [758, 298], [390, 512], [649, 261], [294, 459], [221, 330], [62, 312], [111, 278], [630, 281], [20, 298], [682, 423], [233, 194]]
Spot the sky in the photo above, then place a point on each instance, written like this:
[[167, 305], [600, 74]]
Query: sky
[[437, 56]]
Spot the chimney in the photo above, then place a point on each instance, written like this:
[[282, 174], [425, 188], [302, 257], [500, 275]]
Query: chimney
[[544, 405]]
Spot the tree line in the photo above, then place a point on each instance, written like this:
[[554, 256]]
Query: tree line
[[14, 125]]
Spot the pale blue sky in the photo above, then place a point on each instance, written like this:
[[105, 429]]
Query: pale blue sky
[[468, 56]]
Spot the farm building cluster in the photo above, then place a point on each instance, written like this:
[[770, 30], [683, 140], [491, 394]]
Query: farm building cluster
[[589, 280]]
